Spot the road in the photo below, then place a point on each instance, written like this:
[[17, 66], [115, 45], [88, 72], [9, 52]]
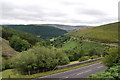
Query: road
[[82, 72]]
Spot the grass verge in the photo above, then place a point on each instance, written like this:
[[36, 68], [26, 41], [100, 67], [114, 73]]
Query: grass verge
[[15, 75], [73, 62]]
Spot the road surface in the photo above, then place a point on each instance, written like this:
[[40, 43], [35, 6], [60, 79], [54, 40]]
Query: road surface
[[82, 72]]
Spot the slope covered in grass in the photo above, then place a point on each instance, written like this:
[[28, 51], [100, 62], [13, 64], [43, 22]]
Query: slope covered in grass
[[105, 33], [39, 30], [7, 51], [69, 45]]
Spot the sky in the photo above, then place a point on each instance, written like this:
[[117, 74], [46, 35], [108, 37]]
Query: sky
[[69, 12]]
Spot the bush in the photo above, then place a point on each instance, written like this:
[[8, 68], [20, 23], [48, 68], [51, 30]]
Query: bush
[[113, 57], [84, 58]]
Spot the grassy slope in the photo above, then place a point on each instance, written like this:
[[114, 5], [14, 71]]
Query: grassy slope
[[106, 33], [70, 45], [40, 30], [7, 51]]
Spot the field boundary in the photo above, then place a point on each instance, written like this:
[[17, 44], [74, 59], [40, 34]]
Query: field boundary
[[110, 44]]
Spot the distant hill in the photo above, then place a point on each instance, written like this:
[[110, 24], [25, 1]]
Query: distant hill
[[7, 51], [43, 31], [107, 33], [68, 27]]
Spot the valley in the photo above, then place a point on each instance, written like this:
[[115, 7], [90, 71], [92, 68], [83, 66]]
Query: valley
[[25, 55]]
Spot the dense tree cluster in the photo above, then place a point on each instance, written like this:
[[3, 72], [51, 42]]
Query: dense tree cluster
[[39, 59], [18, 44], [75, 54]]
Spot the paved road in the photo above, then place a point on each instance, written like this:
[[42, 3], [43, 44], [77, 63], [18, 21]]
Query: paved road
[[82, 72]]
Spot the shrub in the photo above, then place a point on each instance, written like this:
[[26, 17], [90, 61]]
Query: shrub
[[112, 72]]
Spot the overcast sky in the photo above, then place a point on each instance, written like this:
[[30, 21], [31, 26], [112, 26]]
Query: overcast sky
[[71, 12]]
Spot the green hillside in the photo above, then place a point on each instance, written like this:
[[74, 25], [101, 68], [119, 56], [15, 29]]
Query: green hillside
[[9, 32], [106, 33], [39, 30], [7, 51]]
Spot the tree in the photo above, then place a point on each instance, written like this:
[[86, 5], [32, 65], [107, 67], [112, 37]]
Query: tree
[[75, 54], [92, 52], [18, 44], [62, 57]]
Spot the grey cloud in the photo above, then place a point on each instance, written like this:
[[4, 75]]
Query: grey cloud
[[91, 12], [35, 13], [106, 20], [67, 3], [41, 13], [97, 21]]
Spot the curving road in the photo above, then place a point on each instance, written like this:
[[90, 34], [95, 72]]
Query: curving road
[[82, 72]]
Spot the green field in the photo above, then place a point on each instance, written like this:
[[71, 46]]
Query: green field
[[105, 33], [69, 45]]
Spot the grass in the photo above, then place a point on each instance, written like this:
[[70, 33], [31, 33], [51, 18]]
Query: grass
[[73, 62], [106, 33], [69, 45], [7, 51], [87, 46], [52, 39], [12, 73]]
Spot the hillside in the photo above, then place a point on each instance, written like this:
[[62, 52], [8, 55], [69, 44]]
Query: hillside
[[9, 32], [39, 30], [7, 51], [105, 33]]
